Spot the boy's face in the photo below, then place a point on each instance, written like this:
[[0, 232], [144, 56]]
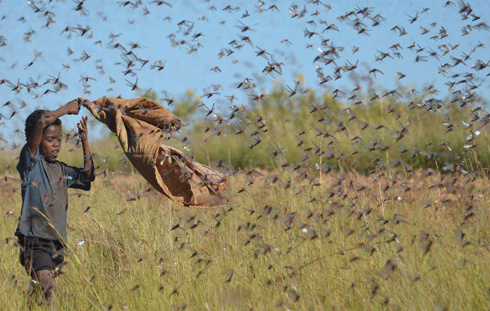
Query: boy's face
[[51, 143]]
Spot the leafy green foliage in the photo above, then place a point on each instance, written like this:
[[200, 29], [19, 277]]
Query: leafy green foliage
[[312, 129]]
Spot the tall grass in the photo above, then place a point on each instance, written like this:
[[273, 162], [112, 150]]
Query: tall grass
[[346, 243]]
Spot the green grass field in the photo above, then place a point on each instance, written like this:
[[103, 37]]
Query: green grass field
[[285, 243], [314, 222]]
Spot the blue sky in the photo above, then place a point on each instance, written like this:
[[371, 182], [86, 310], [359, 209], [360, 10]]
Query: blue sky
[[184, 41]]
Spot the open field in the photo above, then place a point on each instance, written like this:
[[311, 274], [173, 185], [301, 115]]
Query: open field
[[339, 241], [386, 210]]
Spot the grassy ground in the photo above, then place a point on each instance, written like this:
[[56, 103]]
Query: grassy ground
[[286, 242], [386, 210]]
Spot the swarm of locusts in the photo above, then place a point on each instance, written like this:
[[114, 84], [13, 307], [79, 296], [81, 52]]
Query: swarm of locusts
[[352, 184]]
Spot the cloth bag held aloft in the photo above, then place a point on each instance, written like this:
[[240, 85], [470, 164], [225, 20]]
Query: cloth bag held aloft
[[141, 126]]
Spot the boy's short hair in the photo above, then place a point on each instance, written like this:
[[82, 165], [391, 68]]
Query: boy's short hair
[[32, 119]]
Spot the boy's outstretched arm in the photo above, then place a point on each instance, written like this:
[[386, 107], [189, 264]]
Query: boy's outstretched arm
[[87, 155], [46, 120]]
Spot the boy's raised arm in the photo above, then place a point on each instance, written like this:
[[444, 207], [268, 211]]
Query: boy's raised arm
[[47, 119], [87, 155]]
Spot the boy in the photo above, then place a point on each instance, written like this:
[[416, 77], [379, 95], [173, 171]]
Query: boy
[[42, 227]]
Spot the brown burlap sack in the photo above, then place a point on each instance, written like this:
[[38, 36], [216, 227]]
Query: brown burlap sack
[[141, 126]]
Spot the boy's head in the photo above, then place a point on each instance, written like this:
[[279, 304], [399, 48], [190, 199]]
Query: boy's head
[[51, 142]]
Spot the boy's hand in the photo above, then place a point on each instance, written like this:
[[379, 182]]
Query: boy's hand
[[73, 107], [82, 129]]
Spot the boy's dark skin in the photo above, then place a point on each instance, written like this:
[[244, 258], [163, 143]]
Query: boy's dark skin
[[47, 137]]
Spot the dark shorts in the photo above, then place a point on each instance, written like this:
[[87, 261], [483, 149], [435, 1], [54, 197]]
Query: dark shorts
[[40, 254]]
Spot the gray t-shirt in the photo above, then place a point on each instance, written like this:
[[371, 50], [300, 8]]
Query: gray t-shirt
[[45, 195]]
